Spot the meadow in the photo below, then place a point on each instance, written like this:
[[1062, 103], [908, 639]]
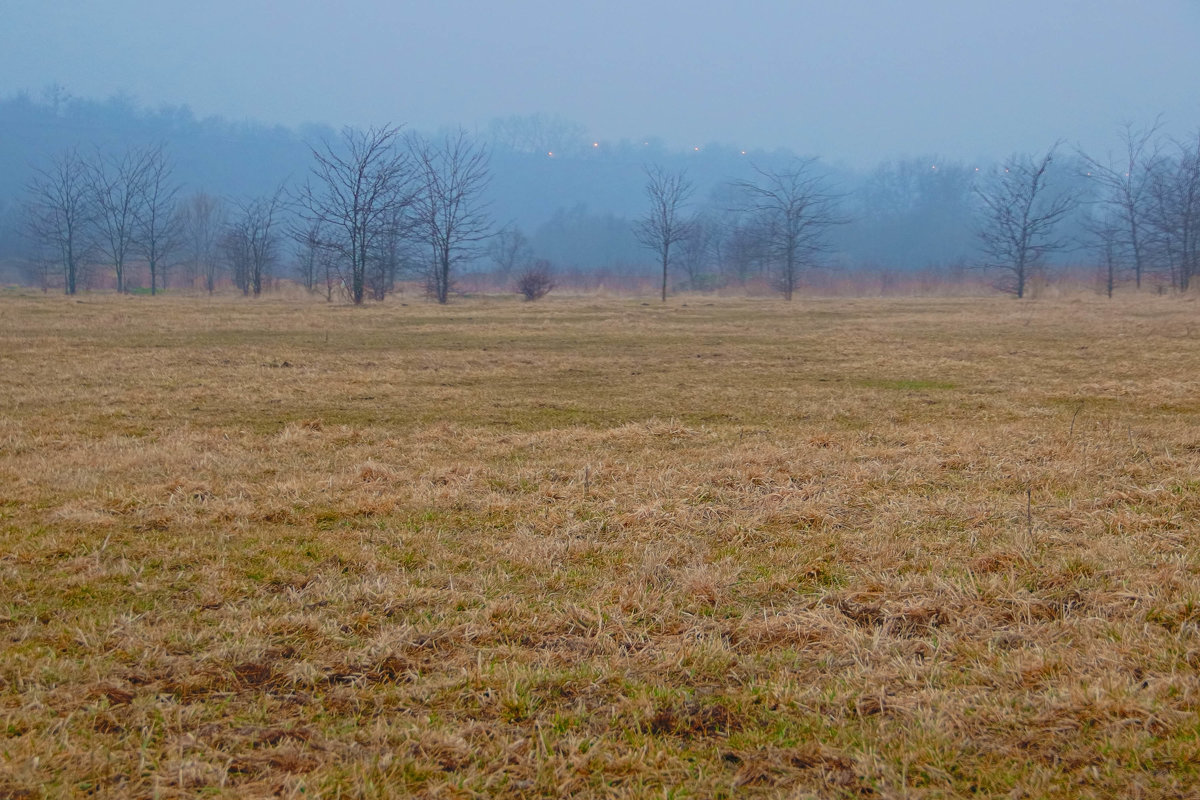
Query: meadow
[[598, 547]]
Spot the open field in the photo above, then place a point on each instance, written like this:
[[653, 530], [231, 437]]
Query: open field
[[597, 548]]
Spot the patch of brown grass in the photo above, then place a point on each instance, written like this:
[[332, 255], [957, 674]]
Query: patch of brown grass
[[591, 548]]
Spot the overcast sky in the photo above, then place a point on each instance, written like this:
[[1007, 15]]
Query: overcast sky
[[849, 80]]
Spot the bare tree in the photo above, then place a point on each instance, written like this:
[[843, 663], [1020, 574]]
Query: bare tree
[[450, 211], [356, 196], [1175, 213], [157, 232], [792, 210], [536, 280], [664, 225], [61, 215], [1020, 217], [202, 218], [1126, 182], [118, 188], [251, 242]]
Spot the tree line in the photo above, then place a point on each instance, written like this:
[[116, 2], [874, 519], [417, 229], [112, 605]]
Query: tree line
[[382, 206], [377, 205], [1134, 213]]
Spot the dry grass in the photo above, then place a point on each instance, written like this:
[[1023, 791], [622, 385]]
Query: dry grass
[[600, 549]]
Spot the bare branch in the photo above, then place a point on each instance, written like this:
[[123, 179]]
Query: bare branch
[[1020, 217], [1175, 213], [536, 280], [792, 212], [449, 210], [664, 224], [157, 234], [356, 200], [251, 242], [118, 188], [1125, 180], [61, 215]]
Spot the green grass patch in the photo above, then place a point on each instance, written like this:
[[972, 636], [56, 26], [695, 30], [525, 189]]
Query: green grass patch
[[908, 384]]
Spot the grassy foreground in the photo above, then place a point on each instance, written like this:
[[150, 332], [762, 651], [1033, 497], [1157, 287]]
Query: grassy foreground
[[597, 548]]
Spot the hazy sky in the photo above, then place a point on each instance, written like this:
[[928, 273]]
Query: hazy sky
[[849, 80]]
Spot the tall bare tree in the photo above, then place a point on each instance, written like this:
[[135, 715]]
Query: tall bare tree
[[157, 232], [251, 242], [358, 192], [793, 211], [450, 211], [118, 188], [664, 224], [1125, 182], [61, 215], [1020, 217], [1175, 213]]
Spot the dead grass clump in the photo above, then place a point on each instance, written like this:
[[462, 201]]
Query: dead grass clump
[[115, 695], [694, 717], [891, 618], [373, 472], [780, 767], [289, 760], [787, 631]]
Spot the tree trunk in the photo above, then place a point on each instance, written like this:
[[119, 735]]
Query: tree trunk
[[358, 278], [443, 283], [70, 268], [665, 261]]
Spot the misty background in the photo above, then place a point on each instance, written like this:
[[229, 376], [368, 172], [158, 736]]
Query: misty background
[[857, 81], [903, 103]]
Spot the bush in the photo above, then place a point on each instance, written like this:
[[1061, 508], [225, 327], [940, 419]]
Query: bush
[[536, 281]]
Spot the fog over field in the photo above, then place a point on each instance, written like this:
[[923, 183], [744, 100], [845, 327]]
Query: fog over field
[[854, 82], [901, 122]]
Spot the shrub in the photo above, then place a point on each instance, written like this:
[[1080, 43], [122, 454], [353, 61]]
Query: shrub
[[536, 281]]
